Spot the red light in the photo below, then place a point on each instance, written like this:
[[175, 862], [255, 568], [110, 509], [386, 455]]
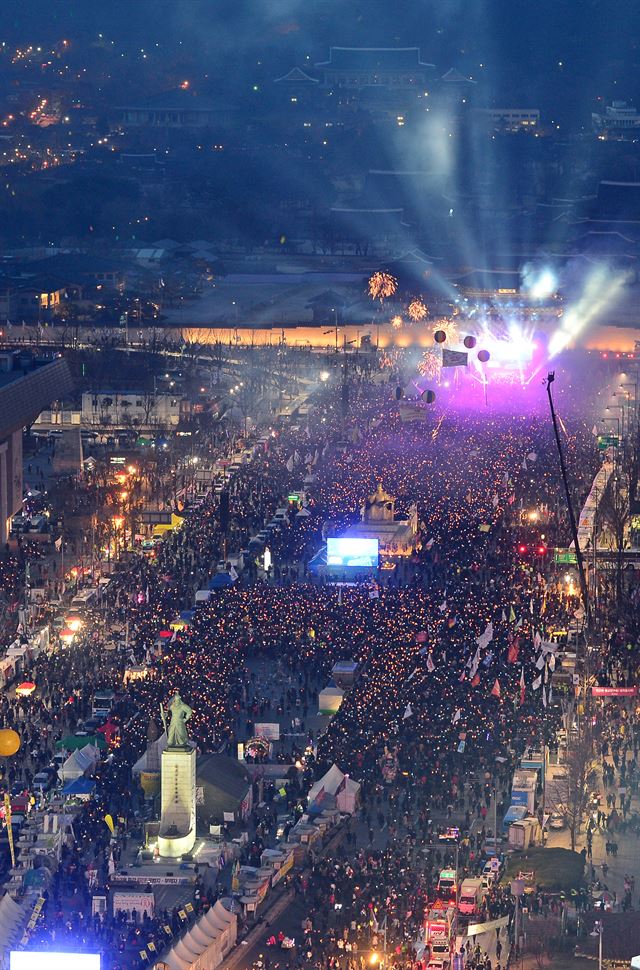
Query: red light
[[604, 356], [541, 550], [522, 549]]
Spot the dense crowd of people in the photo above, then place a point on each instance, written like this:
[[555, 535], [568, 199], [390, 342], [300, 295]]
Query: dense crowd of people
[[453, 646]]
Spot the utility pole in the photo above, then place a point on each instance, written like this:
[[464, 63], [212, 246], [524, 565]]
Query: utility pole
[[572, 519]]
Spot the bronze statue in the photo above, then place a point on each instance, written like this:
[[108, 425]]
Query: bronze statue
[[177, 734]]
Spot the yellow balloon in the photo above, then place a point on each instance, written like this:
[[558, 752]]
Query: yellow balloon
[[9, 743]]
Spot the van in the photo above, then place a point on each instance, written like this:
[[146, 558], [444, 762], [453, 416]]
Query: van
[[491, 873], [103, 701], [85, 600], [470, 897], [447, 887], [515, 813]]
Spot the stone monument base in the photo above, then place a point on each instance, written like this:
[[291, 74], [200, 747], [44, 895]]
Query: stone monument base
[[177, 834]]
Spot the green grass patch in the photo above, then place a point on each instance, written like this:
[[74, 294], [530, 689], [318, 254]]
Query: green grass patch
[[553, 868]]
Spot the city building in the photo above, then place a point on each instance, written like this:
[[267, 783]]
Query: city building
[[31, 300], [455, 87], [132, 409], [619, 120], [27, 385], [173, 109], [509, 119], [360, 67]]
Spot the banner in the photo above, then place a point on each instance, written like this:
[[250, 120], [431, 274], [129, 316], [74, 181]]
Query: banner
[[473, 929], [409, 414], [454, 358], [7, 818], [141, 902], [280, 873], [614, 691]]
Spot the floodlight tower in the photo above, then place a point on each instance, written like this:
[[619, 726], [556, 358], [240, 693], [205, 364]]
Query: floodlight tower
[[572, 518]]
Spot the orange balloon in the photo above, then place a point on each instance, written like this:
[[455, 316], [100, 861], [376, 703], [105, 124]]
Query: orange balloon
[[9, 743]]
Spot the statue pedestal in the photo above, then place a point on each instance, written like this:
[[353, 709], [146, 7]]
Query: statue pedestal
[[178, 802]]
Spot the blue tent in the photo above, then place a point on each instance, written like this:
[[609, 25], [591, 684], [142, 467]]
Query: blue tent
[[220, 581], [187, 615], [79, 786]]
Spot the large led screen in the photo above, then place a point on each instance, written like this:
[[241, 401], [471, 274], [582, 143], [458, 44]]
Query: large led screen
[[353, 553]]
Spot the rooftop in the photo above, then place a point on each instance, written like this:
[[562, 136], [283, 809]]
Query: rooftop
[[374, 58], [176, 100], [29, 387], [296, 76]]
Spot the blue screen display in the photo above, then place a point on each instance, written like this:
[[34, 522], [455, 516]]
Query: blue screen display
[[353, 553]]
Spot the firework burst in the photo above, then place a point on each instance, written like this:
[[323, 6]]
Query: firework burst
[[450, 328], [417, 310], [382, 286], [430, 364]]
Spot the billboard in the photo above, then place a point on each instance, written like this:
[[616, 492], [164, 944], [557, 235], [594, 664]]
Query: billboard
[[36, 959], [352, 552]]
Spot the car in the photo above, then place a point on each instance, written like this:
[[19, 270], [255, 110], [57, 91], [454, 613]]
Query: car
[[93, 724], [450, 835], [556, 821], [42, 781], [490, 873]]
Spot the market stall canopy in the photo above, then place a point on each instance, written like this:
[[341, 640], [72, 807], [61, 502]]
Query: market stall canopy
[[73, 742], [26, 688], [220, 581], [335, 788], [79, 787], [79, 762]]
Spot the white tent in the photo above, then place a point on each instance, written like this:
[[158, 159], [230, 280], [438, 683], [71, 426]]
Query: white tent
[[79, 763], [12, 918], [175, 963], [347, 797], [329, 699], [206, 944], [335, 788], [151, 757]]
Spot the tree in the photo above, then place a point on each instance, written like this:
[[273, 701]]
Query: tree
[[615, 508], [572, 792]]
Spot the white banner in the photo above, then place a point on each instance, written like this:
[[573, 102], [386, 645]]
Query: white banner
[[474, 929], [141, 902]]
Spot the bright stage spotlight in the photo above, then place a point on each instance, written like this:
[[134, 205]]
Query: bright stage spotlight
[[539, 282], [602, 288]]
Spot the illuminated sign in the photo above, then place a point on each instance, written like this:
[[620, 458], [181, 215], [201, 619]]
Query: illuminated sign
[[354, 553], [614, 691], [36, 959]]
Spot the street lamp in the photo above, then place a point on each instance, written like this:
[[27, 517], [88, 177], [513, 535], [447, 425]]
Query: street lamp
[[617, 407], [598, 927]]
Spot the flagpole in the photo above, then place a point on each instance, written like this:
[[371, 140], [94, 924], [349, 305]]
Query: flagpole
[[572, 519]]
